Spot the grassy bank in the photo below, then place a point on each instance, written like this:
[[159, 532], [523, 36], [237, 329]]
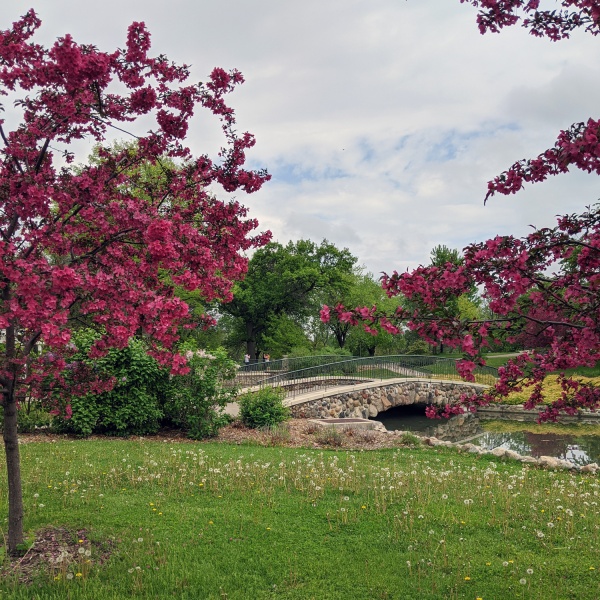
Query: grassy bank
[[185, 520], [551, 390]]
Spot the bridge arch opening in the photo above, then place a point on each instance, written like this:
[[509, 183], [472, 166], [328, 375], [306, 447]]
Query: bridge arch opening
[[410, 417]]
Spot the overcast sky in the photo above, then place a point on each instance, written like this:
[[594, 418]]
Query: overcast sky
[[380, 121]]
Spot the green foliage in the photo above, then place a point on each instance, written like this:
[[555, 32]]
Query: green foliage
[[418, 347], [300, 351], [145, 396], [285, 281], [281, 335], [133, 406], [363, 290], [441, 254], [30, 418], [410, 439], [263, 408], [195, 402]]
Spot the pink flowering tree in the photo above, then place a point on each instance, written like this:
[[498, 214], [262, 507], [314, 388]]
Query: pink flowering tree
[[99, 244], [546, 285]]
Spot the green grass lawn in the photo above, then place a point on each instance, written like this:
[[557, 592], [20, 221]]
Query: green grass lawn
[[496, 361], [192, 520]]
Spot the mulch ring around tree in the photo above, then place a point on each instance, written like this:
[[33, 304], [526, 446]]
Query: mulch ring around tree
[[57, 553]]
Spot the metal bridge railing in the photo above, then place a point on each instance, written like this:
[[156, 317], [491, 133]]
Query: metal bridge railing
[[345, 371]]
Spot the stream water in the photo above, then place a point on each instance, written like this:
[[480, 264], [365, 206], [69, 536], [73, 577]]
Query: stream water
[[579, 449]]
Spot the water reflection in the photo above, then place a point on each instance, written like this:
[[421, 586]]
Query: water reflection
[[412, 418], [578, 449]]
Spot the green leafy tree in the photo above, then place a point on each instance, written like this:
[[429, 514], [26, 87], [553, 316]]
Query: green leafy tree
[[285, 281], [363, 290], [284, 334]]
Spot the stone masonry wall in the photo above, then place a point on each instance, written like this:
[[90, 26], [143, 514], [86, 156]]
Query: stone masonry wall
[[368, 403]]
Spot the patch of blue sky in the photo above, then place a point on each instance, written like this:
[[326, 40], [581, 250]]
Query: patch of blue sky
[[453, 141], [293, 173], [402, 142], [366, 150]]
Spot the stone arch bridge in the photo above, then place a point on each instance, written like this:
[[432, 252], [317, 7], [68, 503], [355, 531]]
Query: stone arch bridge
[[367, 400]]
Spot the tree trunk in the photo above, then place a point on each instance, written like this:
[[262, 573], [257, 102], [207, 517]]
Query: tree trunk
[[251, 348], [11, 446], [13, 471]]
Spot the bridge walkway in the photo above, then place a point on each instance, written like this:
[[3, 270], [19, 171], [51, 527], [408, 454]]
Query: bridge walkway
[[319, 392]]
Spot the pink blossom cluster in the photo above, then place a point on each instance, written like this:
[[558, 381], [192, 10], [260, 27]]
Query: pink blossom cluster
[[104, 244], [549, 280], [542, 290], [542, 19]]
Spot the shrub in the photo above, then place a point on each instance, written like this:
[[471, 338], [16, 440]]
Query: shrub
[[418, 347], [132, 406], [144, 395], [278, 435], [410, 439], [263, 408], [196, 402], [365, 435], [330, 436], [311, 428]]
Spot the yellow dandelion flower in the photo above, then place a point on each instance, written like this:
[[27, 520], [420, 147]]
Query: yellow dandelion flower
[[467, 578]]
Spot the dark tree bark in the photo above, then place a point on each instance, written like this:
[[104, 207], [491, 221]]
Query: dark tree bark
[[11, 447]]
